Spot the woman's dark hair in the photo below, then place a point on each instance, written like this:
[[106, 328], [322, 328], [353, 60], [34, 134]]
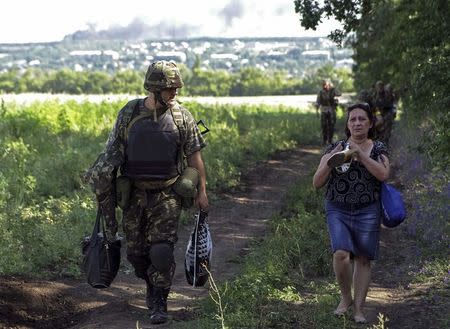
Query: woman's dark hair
[[366, 108]]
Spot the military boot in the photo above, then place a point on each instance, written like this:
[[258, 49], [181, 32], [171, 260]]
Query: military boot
[[158, 313]]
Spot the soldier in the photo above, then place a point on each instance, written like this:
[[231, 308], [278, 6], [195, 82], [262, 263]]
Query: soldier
[[327, 102], [151, 143], [390, 112], [384, 111], [365, 97]]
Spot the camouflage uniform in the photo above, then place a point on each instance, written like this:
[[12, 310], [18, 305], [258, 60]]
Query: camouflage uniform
[[152, 214], [389, 113], [326, 101], [383, 101]]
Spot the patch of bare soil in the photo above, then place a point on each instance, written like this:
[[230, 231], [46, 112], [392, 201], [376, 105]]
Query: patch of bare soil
[[236, 219], [406, 304]]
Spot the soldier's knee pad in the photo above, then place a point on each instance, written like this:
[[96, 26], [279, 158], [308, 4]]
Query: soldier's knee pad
[[161, 256], [140, 265]]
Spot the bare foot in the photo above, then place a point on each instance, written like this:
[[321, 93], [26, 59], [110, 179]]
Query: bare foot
[[342, 307], [359, 317]]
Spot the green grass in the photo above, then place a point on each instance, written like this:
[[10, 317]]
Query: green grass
[[45, 147], [287, 280]]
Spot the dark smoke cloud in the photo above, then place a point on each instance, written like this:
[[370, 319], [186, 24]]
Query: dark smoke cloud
[[233, 9], [137, 30]]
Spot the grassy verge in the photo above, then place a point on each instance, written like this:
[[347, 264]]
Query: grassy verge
[[45, 147], [287, 280]]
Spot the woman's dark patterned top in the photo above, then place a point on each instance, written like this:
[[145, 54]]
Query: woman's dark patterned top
[[357, 187]]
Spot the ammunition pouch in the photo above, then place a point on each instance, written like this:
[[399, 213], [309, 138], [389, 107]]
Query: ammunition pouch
[[186, 186], [123, 191]]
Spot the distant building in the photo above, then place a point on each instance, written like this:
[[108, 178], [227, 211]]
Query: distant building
[[85, 53], [231, 57], [317, 55], [177, 56]]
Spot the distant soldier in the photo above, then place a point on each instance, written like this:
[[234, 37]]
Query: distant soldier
[[390, 112], [365, 96], [384, 107], [327, 103]]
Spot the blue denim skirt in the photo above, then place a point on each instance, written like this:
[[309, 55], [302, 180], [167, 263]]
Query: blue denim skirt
[[354, 230]]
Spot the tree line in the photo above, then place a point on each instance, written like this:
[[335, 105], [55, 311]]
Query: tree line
[[248, 81], [405, 43]]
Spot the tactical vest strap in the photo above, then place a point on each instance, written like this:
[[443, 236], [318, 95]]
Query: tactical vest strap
[[154, 185], [181, 125], [130, 112]]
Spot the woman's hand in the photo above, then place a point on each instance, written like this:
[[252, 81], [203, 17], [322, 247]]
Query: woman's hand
[[327, 156], [323, 171]]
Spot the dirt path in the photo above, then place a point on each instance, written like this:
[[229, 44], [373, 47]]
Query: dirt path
[[235, 219], [392, 292]]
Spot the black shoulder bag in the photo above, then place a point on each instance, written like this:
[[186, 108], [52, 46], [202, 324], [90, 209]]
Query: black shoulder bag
[[101, 259]]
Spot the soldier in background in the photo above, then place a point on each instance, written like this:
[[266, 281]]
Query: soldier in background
[[390, 112], [365, 96], [327, 103], [147, 150], [384, 108]]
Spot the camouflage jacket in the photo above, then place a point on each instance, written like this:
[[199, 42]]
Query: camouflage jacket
[[102, 174], [327, 97]]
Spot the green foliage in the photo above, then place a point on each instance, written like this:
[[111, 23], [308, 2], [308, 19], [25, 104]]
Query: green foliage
[[247, 133], [414, 46], [347, 12], [405, 43], [45, 210], [246, 82]]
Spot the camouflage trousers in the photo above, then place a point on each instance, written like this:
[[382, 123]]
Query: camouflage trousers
[[327, 122], [388, 122], [151, 217]]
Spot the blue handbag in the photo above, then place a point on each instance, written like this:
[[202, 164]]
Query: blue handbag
[[392, 205]]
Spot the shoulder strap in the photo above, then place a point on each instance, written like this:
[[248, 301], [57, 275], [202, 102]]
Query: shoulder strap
[[179, 122], [178, 118], [131, 111]]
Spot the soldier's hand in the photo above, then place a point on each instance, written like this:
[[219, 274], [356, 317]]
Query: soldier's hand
[[202, 201], [107, 205], [111, 236]]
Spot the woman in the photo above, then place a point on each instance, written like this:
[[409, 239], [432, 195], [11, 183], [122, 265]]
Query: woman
[[352, 205]]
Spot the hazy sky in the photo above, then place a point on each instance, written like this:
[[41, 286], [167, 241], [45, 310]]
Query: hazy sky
[[51, 20]]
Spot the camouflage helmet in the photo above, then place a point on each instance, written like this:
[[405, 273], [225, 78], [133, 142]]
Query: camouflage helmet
[[162, 75]]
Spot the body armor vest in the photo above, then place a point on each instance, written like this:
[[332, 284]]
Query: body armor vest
[[152, 148], [327, 97]]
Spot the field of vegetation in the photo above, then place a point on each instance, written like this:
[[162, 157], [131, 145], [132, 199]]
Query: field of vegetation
[[45, 209], [46, 146]]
